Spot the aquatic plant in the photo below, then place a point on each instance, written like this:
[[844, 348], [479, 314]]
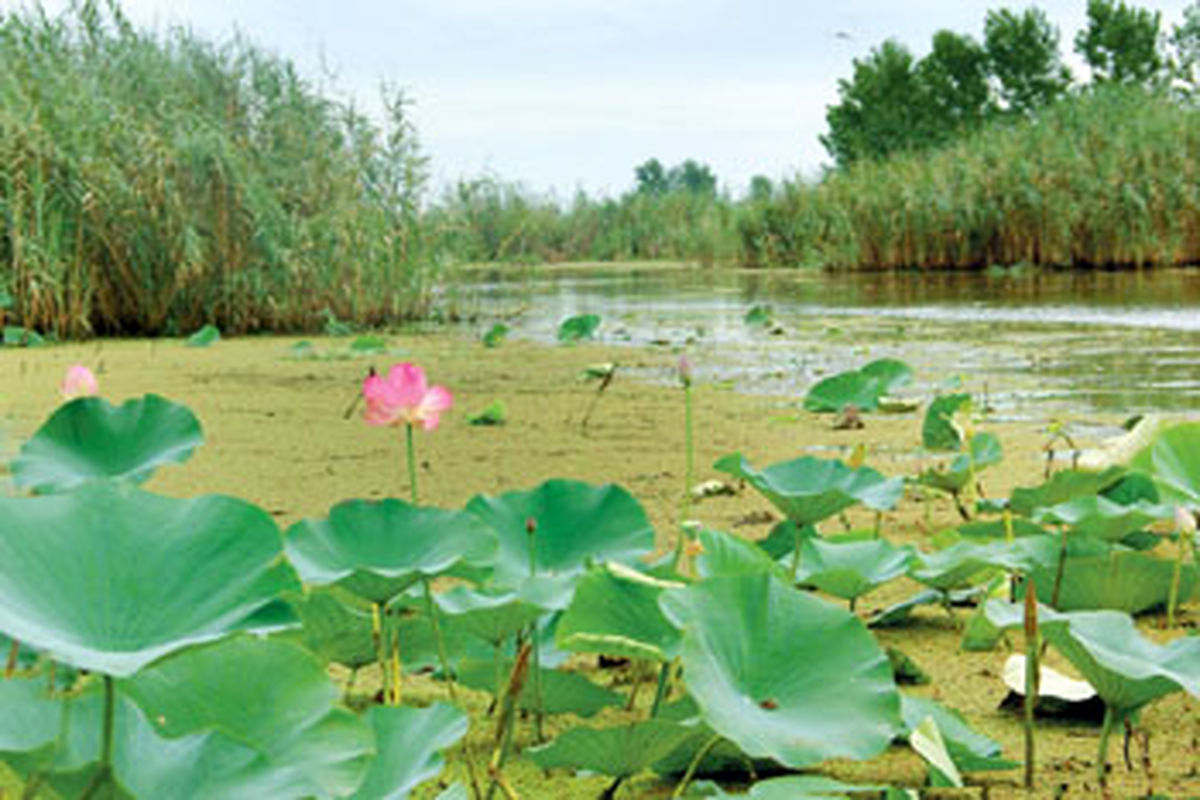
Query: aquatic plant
[[78, 382]]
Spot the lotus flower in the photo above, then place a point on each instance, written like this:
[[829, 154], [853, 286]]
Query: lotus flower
[[78, 382], [404, 397]]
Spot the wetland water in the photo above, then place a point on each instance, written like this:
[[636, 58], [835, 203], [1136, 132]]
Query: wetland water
[[1040, 344]]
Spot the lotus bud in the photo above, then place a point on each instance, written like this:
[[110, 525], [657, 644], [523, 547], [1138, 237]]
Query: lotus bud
[[1185, 521], [685, 371]]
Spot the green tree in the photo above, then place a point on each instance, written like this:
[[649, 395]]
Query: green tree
[[1185, 38], [1022, 50], [651, 177], [881, 109], [954, 83], [761, 189], [1122, 43], [693, 177]]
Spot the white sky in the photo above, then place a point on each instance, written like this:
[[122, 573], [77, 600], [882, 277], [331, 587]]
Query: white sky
[[560, 94]]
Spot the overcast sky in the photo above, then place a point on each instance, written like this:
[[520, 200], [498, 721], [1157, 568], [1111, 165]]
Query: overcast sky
[[562, 94]]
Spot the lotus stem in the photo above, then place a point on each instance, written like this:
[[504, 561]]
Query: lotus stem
[[1102, 755], [689, 473], [412, 462], [1185, 528], [681, 787], [435, 623], [505, 722], [10, 666], [801, 532], [539, 715], [103, 772], [1062, 567], [1031, 677], [664, 685]]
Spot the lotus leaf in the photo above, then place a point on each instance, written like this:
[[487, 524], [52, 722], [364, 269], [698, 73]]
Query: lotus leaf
[[758, 316], [578, 328], [378, 548], [1063, 486], [758, 686], [493, 616], [926, 740], [574, 524], [808, 490], [850, 569], [1121, 580], [985, 452], [1172, 460], [861, 388], [723, 554], [562, 692], [806, 787], [899, 613], [408, 742], [90, 438], [16, 336], [272, 695], [335, 625], [970, 750], [495, 335], [615, 612], [1101, 518], [109, 577], [495, 413], [964, 563], [939, 431], [619, 752], [205, 337]]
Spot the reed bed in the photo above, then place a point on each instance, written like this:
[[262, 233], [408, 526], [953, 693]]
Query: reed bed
[[151, 183]]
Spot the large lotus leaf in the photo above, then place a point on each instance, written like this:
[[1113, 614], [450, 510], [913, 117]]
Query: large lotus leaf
[[616, 612], [1172, 459], [783, 674], [409, 742], [723, 758], [723, 554], [808, 490], [954, 477], [493, 616], [807, 787], [578, 328], [378, 548], [562, 692], [900, 613], [861, 388], [90, 438], [1128, 581], [1101, 518], [962, 564], [1064, 485], [939, 431], [271, 695], [205, 765], [110, 578], [574, 524], [620, 752], [971, 751], [850, 569], [335, 625], [1125, 668]]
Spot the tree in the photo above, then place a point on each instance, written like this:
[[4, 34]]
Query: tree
[[881, 110], [761, 189], [954, 83], [1022, 51], [1121, 43], [692, 177], [1186, 39], [651, 177]]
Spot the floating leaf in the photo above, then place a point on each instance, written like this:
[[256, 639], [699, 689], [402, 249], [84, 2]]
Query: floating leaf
[[619, 752], [574, 523], [90, 438], [495, 335], [861, 388], [368, 345], [578, 328], [205, 337], [835, 697], [808, 490], [758, 316], [495, 413], [378, 548]]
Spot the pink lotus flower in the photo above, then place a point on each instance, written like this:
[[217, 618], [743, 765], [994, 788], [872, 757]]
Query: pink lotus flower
[[405, 398], [79, 382]]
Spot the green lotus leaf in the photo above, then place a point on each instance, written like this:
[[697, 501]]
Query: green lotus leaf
[[992, 529], [861, 388], [16, 336], [1063, 486], [562, 692], [962, 564], [953, 478], [615, 612], [90, 438], [335, 625], [970, 750], [574, 524], [1126, 669], [806, 787], [109, 577], [834, 696], [578, 328], [927, 741], [205, 337], [619, 752], [723, 554], [1172, 460], [850, 569], [1121, 580], [493, 616], [271, 695], [409, 742], [808, 490], [1134, 487], [899, 613], [939, 431], [495, 413], [1101, 518], [495, 335], [758, 316], [378, 548], [723, 758]]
